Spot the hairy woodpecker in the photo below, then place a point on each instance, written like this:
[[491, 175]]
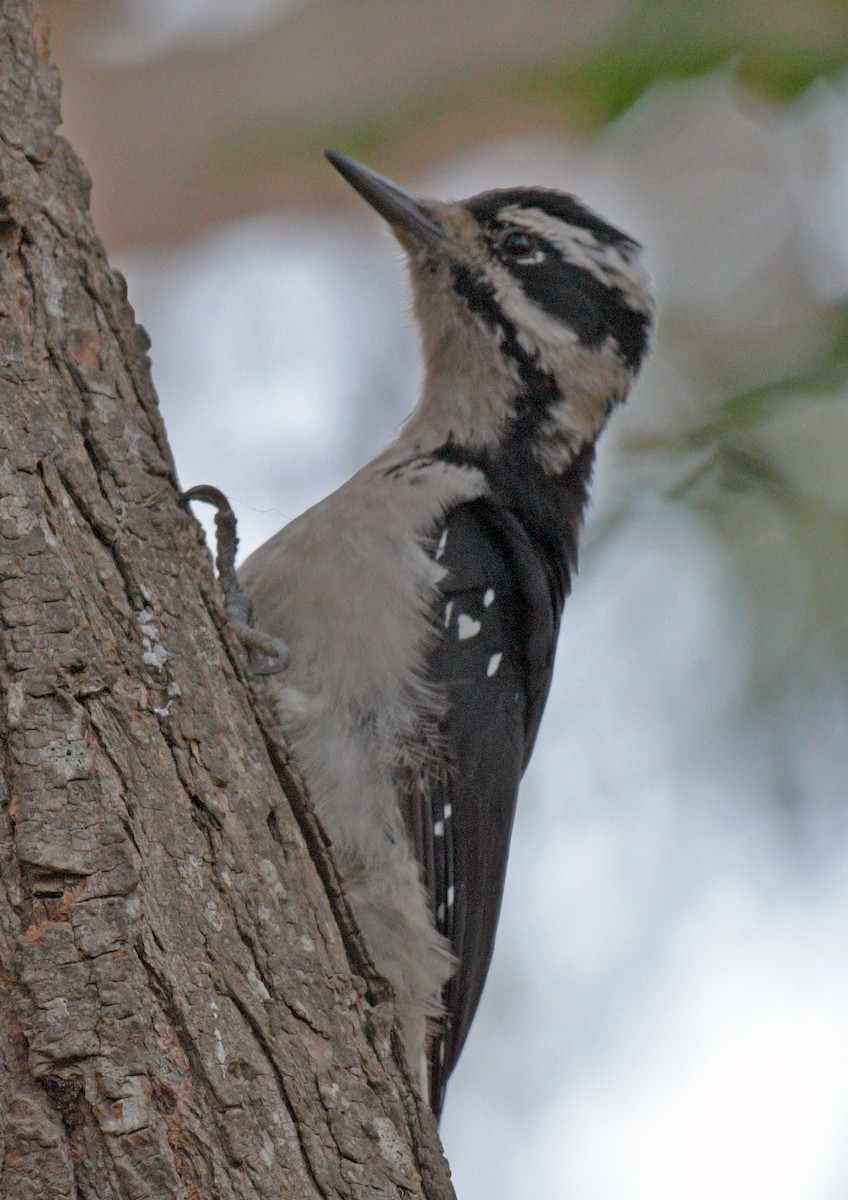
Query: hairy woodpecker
[[421, 601]]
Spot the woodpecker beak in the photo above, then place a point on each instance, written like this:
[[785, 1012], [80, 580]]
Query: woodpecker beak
[[403, 211]]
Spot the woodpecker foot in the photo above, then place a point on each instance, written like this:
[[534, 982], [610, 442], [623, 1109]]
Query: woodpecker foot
[[260, 645]]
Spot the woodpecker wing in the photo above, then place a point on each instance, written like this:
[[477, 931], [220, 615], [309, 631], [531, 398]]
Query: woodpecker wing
[[493, 659]]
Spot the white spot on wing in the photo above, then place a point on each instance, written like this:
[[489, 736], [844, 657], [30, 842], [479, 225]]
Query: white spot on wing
[[489, 597], [448, 611], [443, 541], [439, 829], [448, 811], [494, 663], [467, 627], [450, 896]]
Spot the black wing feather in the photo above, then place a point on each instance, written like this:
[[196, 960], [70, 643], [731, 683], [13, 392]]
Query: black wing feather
[[493, 662]]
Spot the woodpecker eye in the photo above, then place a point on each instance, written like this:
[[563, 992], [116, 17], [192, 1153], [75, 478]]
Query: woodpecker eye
[[522, 247]]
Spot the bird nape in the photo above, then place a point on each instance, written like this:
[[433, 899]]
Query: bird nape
[[421, 601]]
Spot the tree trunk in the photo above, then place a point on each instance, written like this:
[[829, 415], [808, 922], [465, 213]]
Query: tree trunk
[[186, 1009]]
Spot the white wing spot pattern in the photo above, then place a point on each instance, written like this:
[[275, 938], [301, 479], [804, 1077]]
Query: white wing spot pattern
[[467, 627]]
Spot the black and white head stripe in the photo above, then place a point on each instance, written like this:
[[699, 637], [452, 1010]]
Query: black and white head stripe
[[495, 208], [571, 264]]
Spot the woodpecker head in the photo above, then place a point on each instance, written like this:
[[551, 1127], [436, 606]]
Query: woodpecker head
[[535, 314]]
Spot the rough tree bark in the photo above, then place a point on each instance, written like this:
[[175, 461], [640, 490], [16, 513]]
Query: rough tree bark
[[186, 1010]]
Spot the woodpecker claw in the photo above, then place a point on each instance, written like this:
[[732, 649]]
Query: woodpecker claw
[[239, 604]]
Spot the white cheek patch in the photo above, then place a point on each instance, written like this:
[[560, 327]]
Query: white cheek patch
[[611, 265], [536, 328], [584, 377]]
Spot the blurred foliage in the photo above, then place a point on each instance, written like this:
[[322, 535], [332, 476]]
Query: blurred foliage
[[778, 507], [777, 47], [741, 413]]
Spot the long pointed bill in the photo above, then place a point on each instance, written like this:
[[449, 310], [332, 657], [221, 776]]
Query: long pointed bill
[[403, 211]]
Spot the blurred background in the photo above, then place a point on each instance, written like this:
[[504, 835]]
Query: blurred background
[[667, 1015]]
